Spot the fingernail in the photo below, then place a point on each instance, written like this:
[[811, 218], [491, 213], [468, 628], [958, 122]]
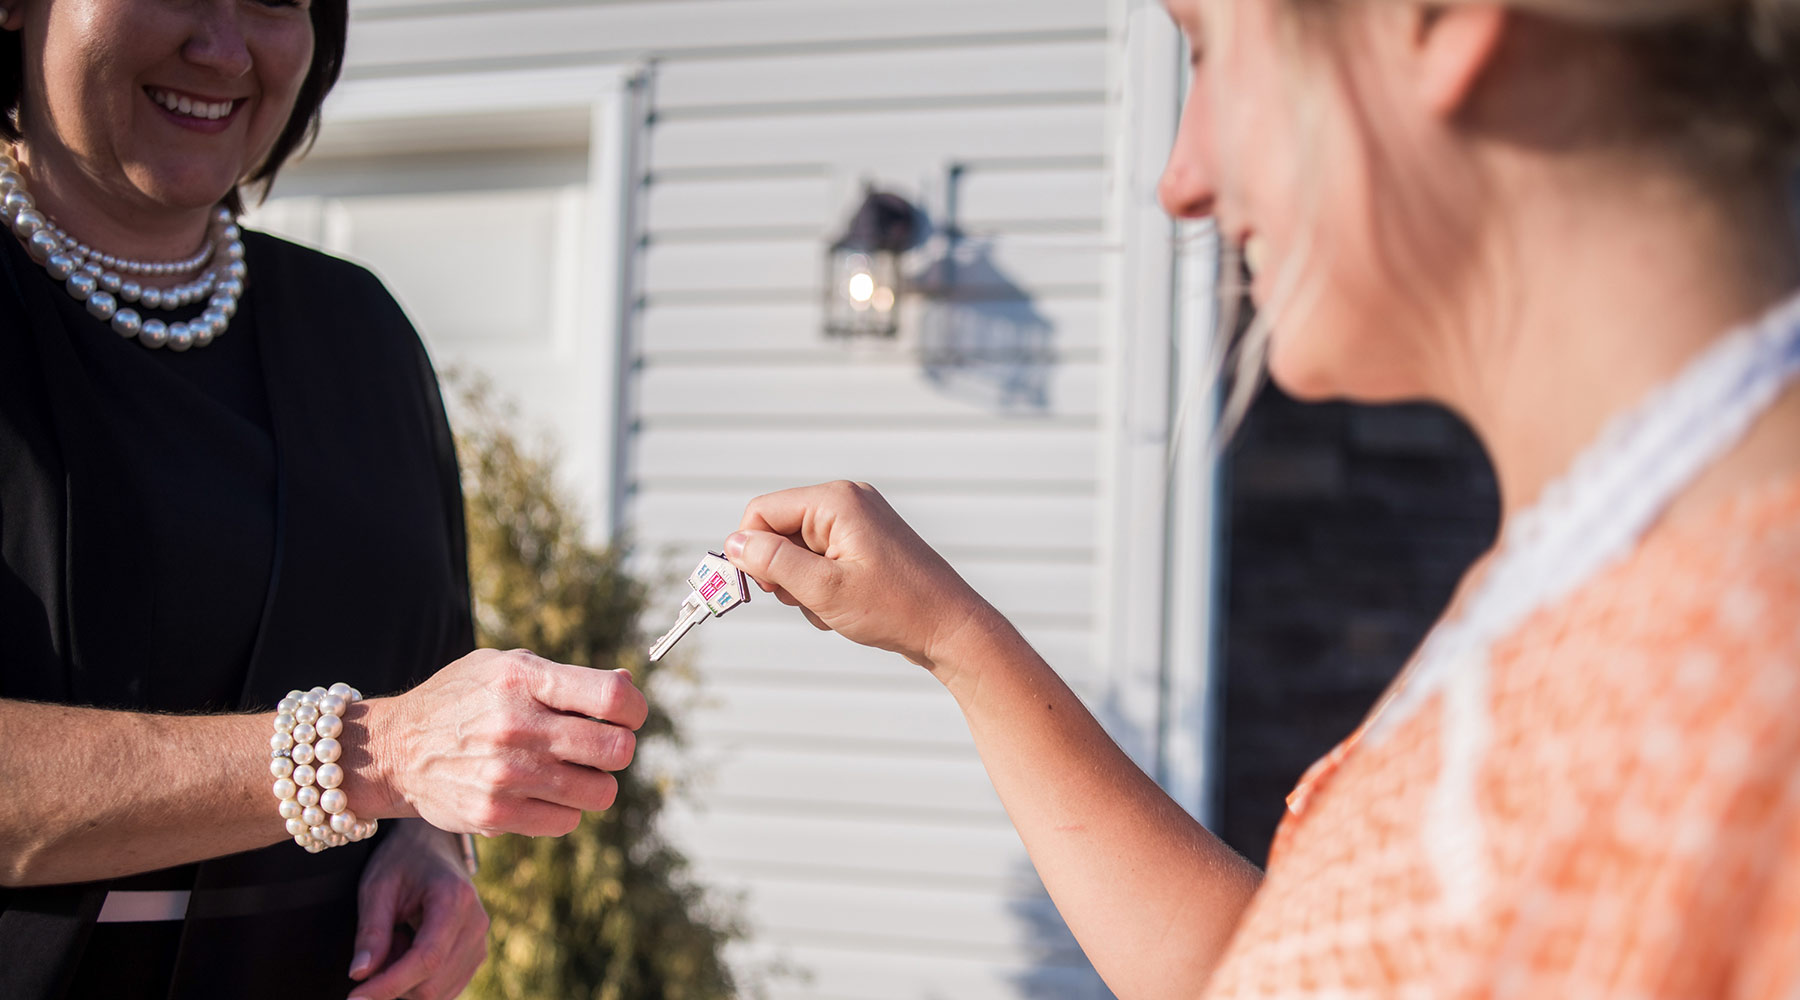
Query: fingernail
[[358, 966], [734, 546]]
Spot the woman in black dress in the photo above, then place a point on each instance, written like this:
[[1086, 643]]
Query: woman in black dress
[[226, 481]]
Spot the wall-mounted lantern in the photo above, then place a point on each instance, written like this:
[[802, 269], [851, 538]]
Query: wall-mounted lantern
[[862, 269]]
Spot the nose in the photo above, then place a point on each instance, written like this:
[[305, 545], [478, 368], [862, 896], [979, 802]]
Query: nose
[[217, 41], [1186, 189]]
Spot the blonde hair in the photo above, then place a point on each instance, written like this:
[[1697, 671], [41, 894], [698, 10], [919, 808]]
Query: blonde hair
[[1717, 84]]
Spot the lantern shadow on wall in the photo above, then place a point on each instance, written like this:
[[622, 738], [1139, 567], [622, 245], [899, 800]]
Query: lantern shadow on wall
[[981, 338]]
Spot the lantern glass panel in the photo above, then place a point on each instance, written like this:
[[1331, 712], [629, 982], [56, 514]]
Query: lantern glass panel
[[862, 290]]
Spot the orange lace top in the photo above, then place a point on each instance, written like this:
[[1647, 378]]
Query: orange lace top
[[1639, 790]]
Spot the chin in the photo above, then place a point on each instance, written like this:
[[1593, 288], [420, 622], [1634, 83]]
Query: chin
[[1315, 365], [187, 189]]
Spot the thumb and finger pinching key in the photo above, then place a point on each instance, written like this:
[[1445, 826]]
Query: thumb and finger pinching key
[[718, 587]]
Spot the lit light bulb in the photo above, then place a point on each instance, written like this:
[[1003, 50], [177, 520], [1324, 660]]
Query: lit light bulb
[[862, 287]]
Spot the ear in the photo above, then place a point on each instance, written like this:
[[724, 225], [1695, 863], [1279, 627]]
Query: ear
[[1453, 44]]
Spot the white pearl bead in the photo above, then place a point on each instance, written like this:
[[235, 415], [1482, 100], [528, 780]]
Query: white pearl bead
[[130, 290], [127, 323], [101, 305], [313, 816], [318, 691], [340, 822], [110, 281], [81, 285], [308, 796], [303, 733], [154, 333], [281, 767], [284, 722], [355, 695], [333, 704], [303, 775], [286, 706], [329, 726], [296, 827], [340, 689], [281, 741], [314, 847], [285, 788], [327, 750], [294, 695], [60, 265], [338, 840], [152, 298], [290, 809], [303, 753], [320, 832], [334, 801], [181, 336], [307, 712], [329, 776]]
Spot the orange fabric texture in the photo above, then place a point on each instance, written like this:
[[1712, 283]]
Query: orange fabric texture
[[1639, 791]]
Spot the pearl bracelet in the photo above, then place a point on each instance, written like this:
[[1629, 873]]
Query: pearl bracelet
[[304, 755]]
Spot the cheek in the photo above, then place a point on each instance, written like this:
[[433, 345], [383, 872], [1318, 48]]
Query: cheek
[[282, 61], [1341, 333]]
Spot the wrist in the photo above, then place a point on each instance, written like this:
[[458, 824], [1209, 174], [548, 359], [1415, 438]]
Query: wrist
[[371, 760], [956, 657]]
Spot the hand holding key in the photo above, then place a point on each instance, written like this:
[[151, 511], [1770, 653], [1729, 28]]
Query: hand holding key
[[842, 555], [499, 742]]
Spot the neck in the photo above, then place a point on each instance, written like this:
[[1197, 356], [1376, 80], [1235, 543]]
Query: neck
[[120, 225], [1614, 293]]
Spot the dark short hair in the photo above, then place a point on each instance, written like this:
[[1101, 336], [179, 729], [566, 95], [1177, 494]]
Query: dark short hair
[[330, 22]]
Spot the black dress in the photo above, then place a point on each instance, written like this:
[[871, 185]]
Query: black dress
[[202, 532]]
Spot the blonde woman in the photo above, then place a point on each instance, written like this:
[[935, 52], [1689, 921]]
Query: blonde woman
[[1567, 220]]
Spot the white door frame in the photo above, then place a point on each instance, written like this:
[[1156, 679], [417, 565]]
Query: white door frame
[[1158, 618], [610, 100]]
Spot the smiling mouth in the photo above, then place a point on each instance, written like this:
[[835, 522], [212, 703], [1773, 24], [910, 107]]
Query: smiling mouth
[[182, 104]]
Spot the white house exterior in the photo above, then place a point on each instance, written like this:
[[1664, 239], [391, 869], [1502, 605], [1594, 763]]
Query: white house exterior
[[618, 210]]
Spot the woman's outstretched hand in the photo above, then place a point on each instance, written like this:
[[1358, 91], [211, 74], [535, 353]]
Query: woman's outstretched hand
[[503, 742], [841, 555]]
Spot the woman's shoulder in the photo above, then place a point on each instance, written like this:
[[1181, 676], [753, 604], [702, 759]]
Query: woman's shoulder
[[1694, 639], [342, 305], [296, 264]]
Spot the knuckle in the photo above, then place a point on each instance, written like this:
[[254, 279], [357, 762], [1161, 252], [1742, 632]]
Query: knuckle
[[512, 674], [491, 814]]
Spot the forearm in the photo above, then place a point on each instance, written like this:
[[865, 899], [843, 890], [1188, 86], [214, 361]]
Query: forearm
[[1150, 894], [98, 794]]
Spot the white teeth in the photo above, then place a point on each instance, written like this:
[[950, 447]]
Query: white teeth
[[190, 107], [1254, 250]]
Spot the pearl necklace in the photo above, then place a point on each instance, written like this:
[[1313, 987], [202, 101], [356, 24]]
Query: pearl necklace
[[100, 280]]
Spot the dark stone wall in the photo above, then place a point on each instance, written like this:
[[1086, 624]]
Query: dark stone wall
[[1348, 528]]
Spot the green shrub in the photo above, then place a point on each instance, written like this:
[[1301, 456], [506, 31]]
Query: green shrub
[[610, 911]]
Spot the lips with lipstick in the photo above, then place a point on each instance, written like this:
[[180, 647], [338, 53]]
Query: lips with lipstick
[[182, 104]]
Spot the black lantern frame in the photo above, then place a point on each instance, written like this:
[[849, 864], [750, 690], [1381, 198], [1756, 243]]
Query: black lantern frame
[[863, 279]]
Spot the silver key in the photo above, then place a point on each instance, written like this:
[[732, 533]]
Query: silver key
[[718, 587]]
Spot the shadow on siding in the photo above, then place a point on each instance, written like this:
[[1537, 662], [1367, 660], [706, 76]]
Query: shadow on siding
[[981, 339]]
